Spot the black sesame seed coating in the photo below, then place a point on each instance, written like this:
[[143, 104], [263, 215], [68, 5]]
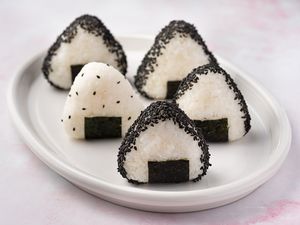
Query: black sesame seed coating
[[94, 26], [161, 41], [192, 78], [153, 114]]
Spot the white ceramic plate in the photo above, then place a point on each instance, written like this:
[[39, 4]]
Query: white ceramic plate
[[237, 168]]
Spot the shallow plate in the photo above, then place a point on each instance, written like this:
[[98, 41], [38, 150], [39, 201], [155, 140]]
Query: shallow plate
[[237, 168]]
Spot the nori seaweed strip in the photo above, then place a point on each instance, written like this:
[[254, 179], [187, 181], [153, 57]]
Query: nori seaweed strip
[[102, 127], [153, 114], [161, 41], [75, 69], [94, 26], [172, 87], [214, 130], [171, 171], [192, 78]]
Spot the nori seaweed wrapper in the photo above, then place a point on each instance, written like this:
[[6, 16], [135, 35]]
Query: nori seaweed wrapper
[[102, 127], [171, 171], [75, 69], [172, 87], [214, 130]]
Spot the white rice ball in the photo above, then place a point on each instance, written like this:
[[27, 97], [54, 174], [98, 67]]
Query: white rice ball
[[178, 48], [100, 91], [163, 146], [208, 93], [84, 40]]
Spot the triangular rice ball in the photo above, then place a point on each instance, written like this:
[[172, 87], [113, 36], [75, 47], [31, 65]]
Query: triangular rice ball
[[177, 49], [210, 97], [85, 40], [163, 146], [101, 104]]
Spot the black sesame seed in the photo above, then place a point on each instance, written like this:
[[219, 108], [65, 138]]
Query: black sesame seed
[[131, 96], [76, 93], [69, 116], [82, 74], [94, 93], [118, 102], [73, 128], [83, 108], [98, 76], [61, 120], [70, 95], [129, 118], [118, 82]]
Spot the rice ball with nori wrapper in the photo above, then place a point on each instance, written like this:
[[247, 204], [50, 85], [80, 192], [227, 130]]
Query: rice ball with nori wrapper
[[163, 146], [177, 49], [101, 104], [210, 97], [85, 40]]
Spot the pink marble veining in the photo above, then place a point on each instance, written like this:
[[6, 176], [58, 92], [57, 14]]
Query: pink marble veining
[[278, 213]]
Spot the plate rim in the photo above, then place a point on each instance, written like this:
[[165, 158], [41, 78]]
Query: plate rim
[[265, 172]]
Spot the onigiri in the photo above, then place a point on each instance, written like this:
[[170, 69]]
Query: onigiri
[[85, 40], [101, 104], [210, 97], [163, 146], [177, 49]]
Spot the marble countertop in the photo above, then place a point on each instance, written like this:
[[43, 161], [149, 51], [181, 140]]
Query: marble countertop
[[261, 37]]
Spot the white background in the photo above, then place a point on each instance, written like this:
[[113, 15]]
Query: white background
[[260, 37]]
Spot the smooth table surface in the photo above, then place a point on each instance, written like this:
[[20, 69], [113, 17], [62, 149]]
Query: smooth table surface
[[260, 37]]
